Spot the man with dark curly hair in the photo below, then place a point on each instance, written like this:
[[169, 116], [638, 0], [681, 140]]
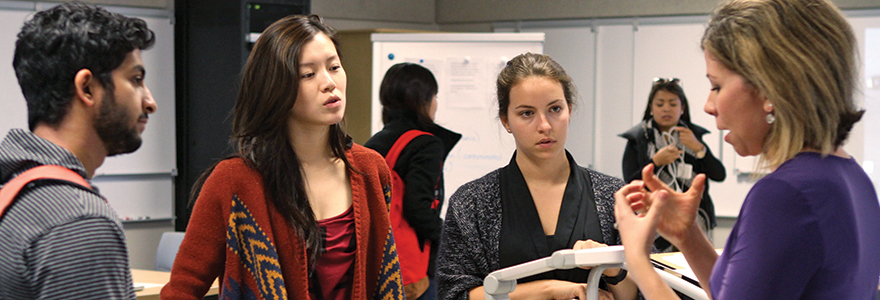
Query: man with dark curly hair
[[81, 73]]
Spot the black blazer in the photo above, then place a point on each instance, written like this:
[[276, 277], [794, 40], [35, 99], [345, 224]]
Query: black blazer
[[636, 157], [420, 165]]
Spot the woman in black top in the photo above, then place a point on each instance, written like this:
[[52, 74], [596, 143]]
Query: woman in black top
[[541, 202], [408, 94], [667, 138]]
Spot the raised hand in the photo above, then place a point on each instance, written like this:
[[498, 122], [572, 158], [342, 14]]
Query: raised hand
[[637, 231], [681, 210]]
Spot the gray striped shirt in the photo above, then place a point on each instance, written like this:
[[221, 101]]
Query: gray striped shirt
[[57, 241]]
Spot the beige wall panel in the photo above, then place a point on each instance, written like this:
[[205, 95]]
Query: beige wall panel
[[414, 11], [467, 27], [347, 24]]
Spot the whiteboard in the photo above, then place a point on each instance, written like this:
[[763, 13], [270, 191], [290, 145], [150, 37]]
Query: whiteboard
[[12, 103], [466, 66], [137, 185]]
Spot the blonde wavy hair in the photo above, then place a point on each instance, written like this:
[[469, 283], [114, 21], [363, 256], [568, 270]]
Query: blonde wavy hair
[[800, 54]]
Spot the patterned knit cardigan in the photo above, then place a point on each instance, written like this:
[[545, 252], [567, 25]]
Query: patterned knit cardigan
[[237, 234]]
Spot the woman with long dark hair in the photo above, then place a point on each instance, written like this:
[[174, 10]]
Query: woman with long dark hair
[[299, 211]]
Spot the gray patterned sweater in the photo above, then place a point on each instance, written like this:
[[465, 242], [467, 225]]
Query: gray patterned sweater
[[471, 232], [58, 241]]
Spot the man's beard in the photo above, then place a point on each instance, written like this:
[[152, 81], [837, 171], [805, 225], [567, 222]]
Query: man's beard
[[112, 126]]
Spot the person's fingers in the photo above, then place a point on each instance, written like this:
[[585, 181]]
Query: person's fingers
[[653, 214], [635, 198], [629, 192], [647, 172], [632, 187], [637, 201], [622, 210], [587, 244], [652, 183], [698, 185], [595, 244]]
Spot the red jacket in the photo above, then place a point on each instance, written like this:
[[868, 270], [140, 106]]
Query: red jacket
[[237, 234]]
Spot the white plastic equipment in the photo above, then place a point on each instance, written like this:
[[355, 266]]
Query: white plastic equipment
[[500, 283]]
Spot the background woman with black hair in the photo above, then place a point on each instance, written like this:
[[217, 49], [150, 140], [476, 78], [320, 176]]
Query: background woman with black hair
[[667, 138], [408, 94]]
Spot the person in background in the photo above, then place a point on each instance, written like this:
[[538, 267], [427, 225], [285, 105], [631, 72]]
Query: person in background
[[782, 76], [667, 138], [299, 212], [408, 94], [542, 201], [82, 76]]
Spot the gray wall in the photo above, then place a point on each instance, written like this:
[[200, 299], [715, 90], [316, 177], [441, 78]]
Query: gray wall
[[477, 13], [469, 11]]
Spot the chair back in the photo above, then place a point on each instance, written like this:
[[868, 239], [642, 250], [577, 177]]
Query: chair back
[[168, 246]]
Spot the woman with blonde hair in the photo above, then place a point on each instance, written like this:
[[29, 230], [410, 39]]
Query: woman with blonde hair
[[783, 75]]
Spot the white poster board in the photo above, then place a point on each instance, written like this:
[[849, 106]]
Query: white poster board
[[466, 66]]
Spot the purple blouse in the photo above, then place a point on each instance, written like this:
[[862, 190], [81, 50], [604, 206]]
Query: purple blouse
[[809, 230]]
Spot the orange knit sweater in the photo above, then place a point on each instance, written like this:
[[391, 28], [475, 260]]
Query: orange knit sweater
[[237, 234]]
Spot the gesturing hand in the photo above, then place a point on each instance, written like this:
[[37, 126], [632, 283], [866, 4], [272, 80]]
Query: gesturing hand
[[671, 213], [637, 231]]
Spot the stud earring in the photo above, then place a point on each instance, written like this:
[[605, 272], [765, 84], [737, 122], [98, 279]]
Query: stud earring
[[770, 117]]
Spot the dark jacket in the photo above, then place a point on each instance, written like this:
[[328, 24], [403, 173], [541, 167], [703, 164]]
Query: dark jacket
[[420, 165], [635, 157]]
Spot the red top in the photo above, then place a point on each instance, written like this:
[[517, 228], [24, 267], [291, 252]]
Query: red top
[[332, 277]]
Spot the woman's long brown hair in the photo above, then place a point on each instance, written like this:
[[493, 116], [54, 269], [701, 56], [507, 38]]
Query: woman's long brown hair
[[268, 91]]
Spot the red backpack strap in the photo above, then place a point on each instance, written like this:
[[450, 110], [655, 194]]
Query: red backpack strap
[[402, 141], [11, 188]]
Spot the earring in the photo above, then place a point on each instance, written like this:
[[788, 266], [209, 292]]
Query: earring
[[770, 117]]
